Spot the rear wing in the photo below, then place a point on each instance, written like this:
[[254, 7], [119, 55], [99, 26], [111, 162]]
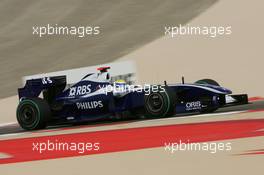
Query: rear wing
[[34, 87]]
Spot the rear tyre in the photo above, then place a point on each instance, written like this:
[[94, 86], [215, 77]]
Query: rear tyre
[[33, 113], [160, 103], [208, 81]]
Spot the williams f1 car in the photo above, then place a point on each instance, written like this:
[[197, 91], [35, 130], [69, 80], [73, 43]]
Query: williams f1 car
[[48, 100]]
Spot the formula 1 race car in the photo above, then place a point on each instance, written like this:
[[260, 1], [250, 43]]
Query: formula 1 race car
[[47, 101]]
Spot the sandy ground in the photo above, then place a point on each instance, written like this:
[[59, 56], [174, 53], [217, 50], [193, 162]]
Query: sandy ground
[[235, 61], [8, 109], [125, 26]]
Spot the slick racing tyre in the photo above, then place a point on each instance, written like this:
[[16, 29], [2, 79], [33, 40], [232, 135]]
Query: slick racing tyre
[[160, 103], [33, 113], [207, 81]]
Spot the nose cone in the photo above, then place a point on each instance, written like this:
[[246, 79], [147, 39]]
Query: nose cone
[[225, 90]]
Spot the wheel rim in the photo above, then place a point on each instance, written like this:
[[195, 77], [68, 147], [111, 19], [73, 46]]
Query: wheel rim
[[28, 115], [155, 102]]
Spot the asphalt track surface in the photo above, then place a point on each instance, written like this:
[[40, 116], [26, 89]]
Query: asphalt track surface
[[228, 123], [15, 128]]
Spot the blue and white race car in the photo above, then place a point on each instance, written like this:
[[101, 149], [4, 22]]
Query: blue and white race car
[[47, 101]]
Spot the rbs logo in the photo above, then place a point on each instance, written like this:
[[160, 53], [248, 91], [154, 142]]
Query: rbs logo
[[80, 90]]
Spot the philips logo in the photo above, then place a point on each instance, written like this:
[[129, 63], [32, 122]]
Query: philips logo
[[90, 105], [80, 90]]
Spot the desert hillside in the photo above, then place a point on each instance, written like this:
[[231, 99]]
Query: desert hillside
[[124, 27], [235, 60]]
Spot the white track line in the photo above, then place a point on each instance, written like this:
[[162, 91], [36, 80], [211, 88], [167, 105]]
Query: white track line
[[198, 115], [12, 134], [215, 114], [7, 124]]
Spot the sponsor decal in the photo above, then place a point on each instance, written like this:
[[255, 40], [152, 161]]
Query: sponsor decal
[[80, 90], [193, 105], [46, 80], [90, 105]]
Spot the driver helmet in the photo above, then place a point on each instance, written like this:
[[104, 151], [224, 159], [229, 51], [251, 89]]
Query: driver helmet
[[120, 87]]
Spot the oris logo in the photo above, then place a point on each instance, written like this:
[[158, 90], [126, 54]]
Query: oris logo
[[80, 90], [193, 105]]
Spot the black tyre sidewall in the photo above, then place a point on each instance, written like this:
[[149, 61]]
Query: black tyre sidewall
[[208, 81], [166, 108], [42, 113], [173, 97]]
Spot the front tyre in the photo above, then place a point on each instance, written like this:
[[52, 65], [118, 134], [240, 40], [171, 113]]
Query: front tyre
[[160, 104], [208, 81], [33, 113]]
